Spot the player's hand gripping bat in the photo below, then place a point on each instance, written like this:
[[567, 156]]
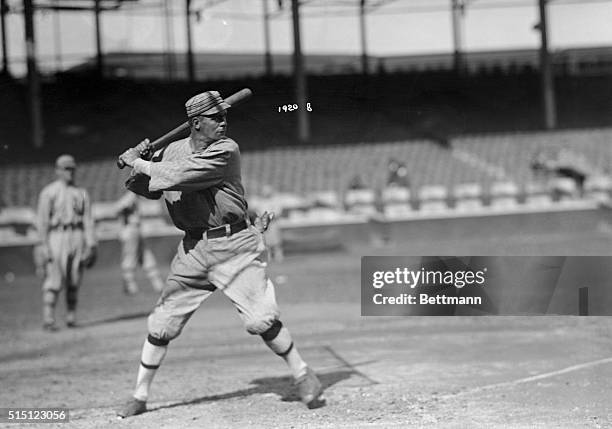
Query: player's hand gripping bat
[[170, 136]]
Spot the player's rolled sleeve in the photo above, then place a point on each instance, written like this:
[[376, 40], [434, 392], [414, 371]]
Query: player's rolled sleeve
[[196, 172], [89, 223], [43, 216]]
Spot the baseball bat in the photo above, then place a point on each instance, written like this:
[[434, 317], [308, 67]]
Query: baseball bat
[[166, 139]]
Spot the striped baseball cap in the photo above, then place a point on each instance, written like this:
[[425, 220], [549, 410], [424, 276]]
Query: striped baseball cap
[[206, 103]]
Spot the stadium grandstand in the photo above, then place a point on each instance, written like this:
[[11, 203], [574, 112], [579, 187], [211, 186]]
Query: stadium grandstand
[[496, 167], [468, 139]]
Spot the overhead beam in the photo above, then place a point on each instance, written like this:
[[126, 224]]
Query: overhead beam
[[98, 29], [457, 13], [57, 39], [267, 50], [169, 41], [300, 76], [3, 11], [84, 6], [34, 99], [190, 61], [74, 8], [546, 72], [364, 36]]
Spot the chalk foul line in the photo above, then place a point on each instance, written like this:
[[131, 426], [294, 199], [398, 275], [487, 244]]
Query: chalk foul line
[[542, 376]]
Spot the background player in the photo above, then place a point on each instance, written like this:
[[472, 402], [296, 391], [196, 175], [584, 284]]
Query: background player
[[134, 250], [68, 242], [268, 203]]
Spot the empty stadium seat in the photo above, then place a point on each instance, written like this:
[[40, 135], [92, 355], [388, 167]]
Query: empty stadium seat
[[598, 187], [433, 198], [291, 203], [468, 196], [396, 201], [360, 201], [326, 206], [537, 194], [323, 214], [326, 199], [18, 222], [298, 215], [17, 215], [395, 195], [504, 194]]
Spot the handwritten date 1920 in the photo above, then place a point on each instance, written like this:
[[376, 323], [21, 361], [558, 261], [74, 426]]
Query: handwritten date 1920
[[293, 107]]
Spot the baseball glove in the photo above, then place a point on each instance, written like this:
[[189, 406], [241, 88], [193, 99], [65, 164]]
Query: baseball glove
[[42, 256], [90, 257], [263, 222], [138, 183]]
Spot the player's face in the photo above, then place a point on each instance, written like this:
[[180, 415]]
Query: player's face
[[214, 127], [65, 174]]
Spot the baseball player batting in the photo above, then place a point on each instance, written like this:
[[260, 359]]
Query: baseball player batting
[[199, 178], [67, 237]]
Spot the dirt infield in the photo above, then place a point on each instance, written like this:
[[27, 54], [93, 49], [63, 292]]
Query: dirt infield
[[440, 372]]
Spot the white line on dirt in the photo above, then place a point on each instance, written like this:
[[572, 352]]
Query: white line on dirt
[[529, 379]]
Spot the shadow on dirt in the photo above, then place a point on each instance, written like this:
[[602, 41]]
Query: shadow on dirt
[[281, 386], [119, 318]]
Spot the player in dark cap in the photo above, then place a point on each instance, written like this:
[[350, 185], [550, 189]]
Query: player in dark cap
[[199, 178]]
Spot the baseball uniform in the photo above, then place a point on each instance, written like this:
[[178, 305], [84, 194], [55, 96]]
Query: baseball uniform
[[66, 230], [134, 250], [199, 178], [203, 190]]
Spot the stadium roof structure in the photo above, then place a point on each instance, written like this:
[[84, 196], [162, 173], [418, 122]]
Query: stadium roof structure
[[284, 8], [80, 5], [271, 10]]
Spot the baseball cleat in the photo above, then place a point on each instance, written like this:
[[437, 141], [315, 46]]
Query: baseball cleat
[[71, 320], [132, 407], [50, 327], [130, 291], [310, 389], [130, 288]]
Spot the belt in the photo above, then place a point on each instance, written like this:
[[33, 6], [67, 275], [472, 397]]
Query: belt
[[218, 231]]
